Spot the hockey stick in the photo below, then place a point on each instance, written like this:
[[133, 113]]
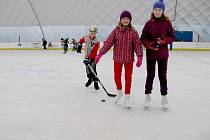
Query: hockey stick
[[86, 62]]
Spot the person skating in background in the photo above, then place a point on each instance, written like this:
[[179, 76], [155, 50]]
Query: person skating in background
[[156, 35], [50, 45], [74, 43], [44, 43], [79, 48], [91, 48], [66, 41], [62, 43], [125, 40]]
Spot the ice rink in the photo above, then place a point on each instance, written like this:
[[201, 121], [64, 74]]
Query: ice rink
[[43, 97]]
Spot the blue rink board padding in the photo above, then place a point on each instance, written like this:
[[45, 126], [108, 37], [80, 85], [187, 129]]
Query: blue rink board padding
[[185, 36]]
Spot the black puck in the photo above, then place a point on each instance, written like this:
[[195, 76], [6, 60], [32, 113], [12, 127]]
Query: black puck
[[103, 100]]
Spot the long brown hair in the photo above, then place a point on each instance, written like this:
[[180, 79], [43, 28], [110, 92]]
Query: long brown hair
[[123, 27], [163, 17]]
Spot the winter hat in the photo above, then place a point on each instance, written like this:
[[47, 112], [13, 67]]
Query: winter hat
[[126, 13], [93, 29], [159, 4]]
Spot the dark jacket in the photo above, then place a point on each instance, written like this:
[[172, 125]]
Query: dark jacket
[[154, 29], [44, 42], [66, 41]]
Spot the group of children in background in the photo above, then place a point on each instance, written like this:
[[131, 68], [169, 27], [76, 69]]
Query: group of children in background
[[76, 46]]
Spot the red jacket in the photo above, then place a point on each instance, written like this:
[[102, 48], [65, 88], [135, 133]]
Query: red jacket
[[154, 29], [125, 42]]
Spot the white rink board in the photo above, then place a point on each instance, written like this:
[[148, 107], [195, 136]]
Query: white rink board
[[58, 45]]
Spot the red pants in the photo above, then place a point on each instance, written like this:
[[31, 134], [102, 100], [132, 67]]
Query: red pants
[[128, 75]]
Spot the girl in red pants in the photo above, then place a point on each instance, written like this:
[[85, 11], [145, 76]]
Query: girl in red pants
[[125, 40]]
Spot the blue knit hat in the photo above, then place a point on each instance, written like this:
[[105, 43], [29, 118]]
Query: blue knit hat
[[127, 14], [159, 4]]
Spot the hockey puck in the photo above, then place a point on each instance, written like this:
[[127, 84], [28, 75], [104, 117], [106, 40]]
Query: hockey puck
[[103, 100]]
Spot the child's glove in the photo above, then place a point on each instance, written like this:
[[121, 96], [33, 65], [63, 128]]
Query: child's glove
[[151, 45], [162, 40], [98, 57], [139, 62]]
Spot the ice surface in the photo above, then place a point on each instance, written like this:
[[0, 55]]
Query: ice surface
[[43, 97]]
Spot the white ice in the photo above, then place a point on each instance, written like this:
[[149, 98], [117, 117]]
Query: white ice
[[43, 97]]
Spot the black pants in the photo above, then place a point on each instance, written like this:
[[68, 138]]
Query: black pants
[[79, 48], [74, 48], [88, 71], [65, 48], [162, 74], [44, 47]]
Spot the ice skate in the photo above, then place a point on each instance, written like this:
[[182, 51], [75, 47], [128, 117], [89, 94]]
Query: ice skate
[[127, 101], [119, 96], [164, 102], [88, 82], [147, 103], [96, 86]]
